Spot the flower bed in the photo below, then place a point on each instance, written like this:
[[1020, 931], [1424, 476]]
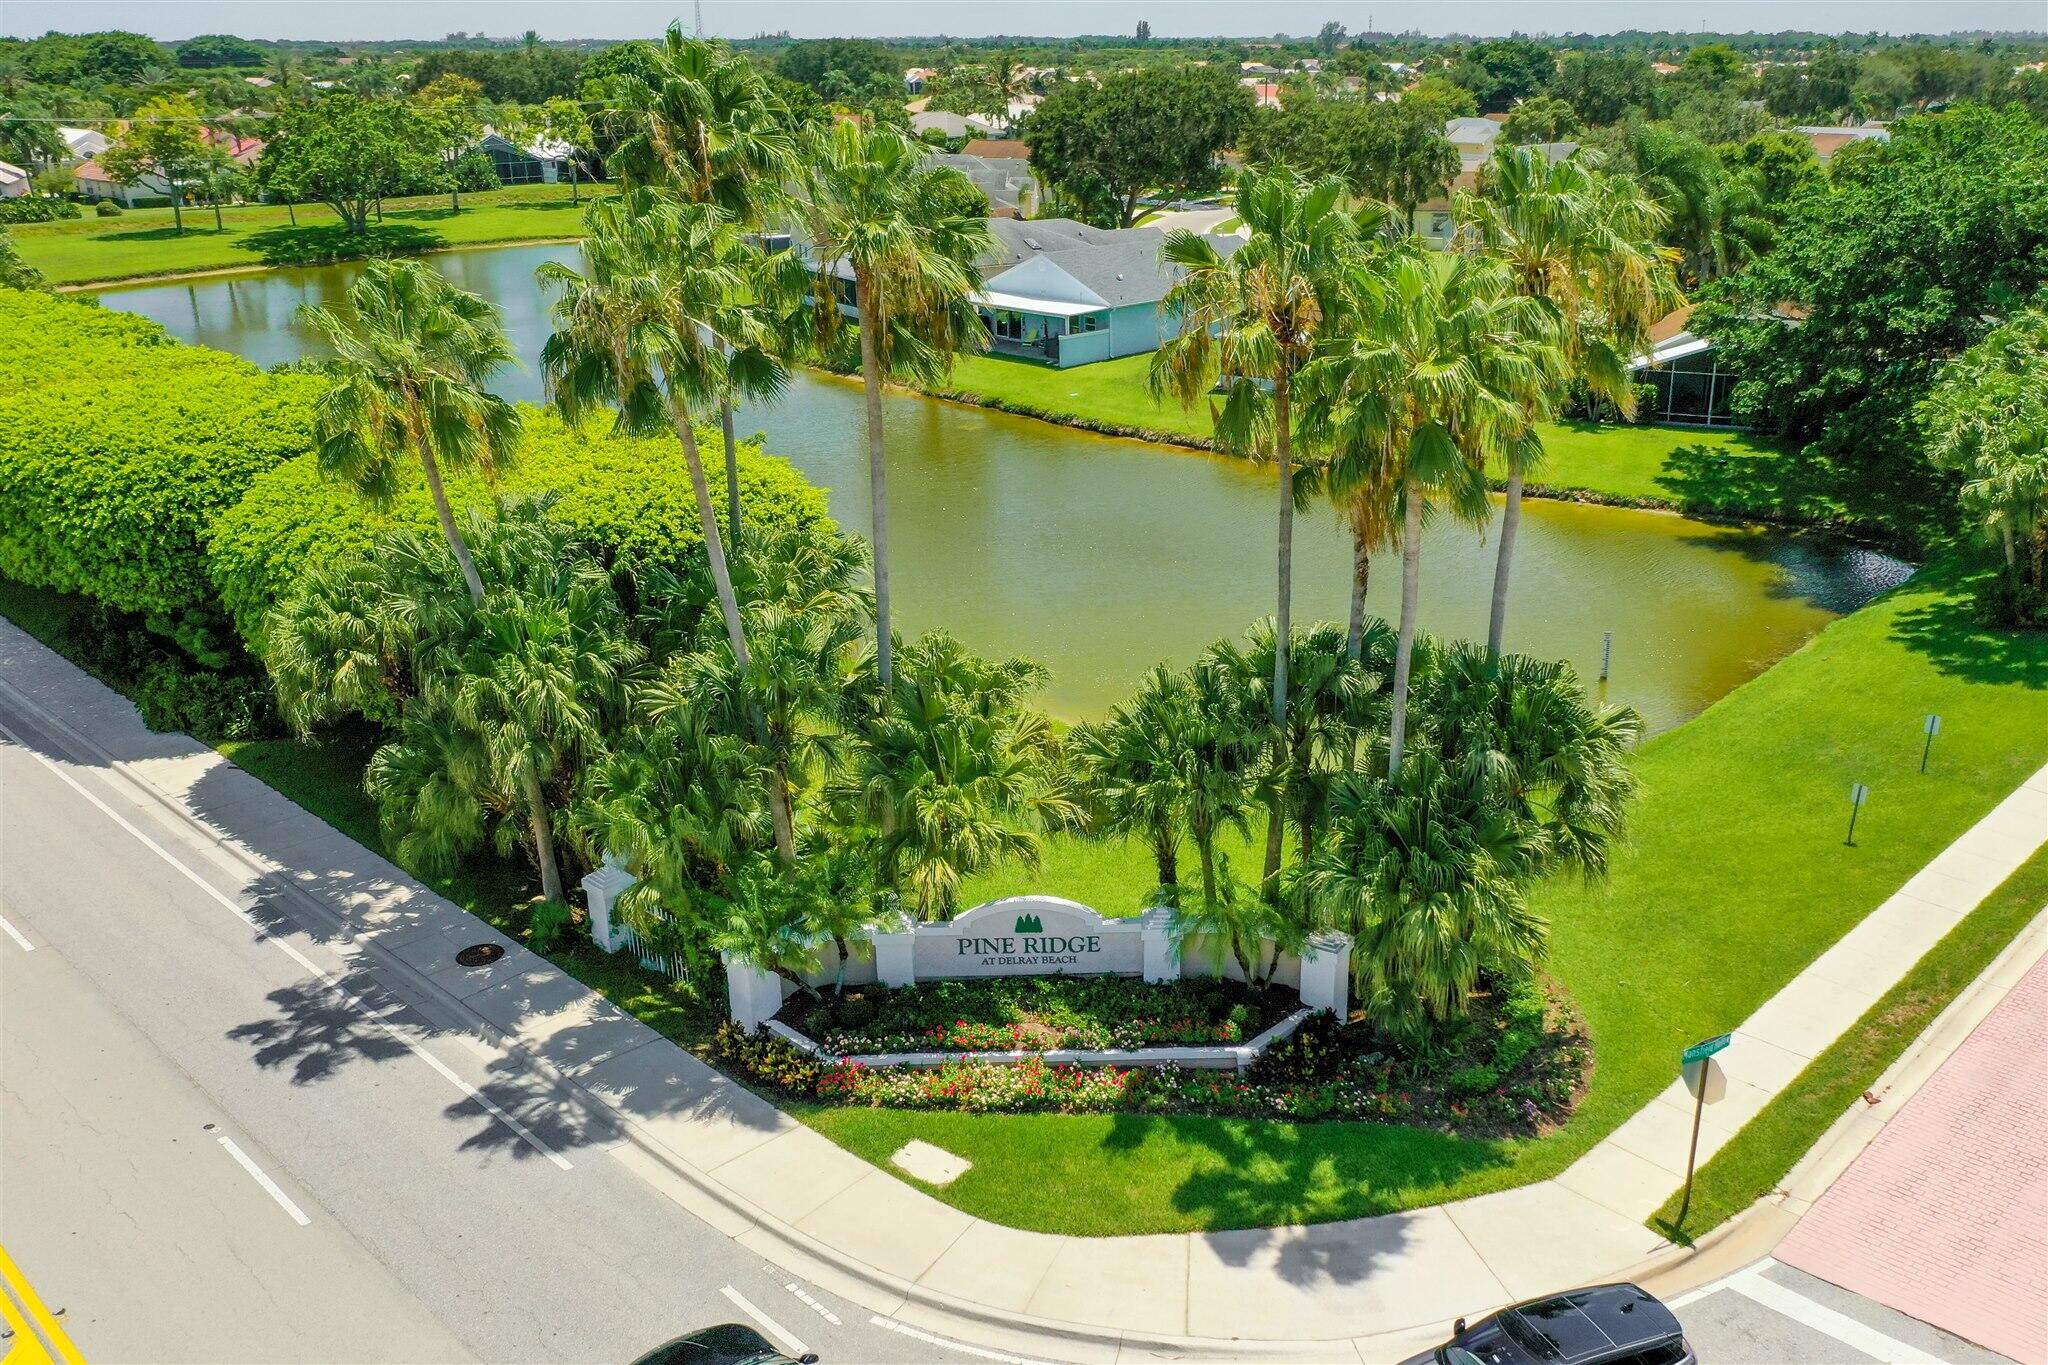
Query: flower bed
[[1515, 1068], [1038, 1014]]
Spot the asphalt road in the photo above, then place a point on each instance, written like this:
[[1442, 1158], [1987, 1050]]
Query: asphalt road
[[1773, 1314], [208, 1153]]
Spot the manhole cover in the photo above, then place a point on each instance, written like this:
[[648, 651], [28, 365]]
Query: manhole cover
[[480, 954]]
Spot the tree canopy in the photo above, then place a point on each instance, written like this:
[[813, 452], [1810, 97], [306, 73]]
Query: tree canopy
[[347, 152], [1160, 128], [1839, 330]]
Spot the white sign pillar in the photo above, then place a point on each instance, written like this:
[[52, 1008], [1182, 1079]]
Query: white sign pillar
[[601, 890], [895, 954], [1162, 953], [1326, 974], [754, 993]]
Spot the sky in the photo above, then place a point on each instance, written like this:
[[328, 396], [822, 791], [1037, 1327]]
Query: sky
[[368, 19]]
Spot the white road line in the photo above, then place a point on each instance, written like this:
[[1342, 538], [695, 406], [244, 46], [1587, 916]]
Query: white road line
[[1752, 1285], [270, 1186], [354, 1002], [905, 1329], [768, 1324], [17, 935], [803, 1295]]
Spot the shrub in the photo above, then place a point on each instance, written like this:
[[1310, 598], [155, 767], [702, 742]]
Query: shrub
[[548, 925], [629, 494], [36, 209], [117, 448], [170, 690], [107, 208]]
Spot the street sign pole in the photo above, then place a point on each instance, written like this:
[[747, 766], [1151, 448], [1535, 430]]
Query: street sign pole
[[1701, 1052], [1699, 1108], [1933, 728], [1858, 794]]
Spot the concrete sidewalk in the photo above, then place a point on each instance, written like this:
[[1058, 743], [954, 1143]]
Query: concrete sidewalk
[[1359, 1290]]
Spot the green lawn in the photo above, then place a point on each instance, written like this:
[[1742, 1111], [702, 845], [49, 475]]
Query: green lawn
[[144, 242], [1769, 1145], [1693, 468], [1736, 878]]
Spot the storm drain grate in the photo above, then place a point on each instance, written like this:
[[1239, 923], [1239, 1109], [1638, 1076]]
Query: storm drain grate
[[480, 954]]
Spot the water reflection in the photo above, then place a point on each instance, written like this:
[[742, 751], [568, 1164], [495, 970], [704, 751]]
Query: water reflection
[[1100, 557]]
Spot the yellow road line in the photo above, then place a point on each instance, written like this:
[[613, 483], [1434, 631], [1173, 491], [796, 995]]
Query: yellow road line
[[45, 1322]]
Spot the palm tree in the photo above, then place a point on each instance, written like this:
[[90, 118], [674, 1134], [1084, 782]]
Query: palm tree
[[1554, 759], [957, 773], [413, 356], [1252, 319], [705, 125], [1133, 771], [1586, 243], [1431, 374], [660, 321], [495, 701], [871, 204], [1428, 878], [1216, 758]]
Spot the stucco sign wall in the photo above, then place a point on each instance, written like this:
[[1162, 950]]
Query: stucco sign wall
[[1028, 936]]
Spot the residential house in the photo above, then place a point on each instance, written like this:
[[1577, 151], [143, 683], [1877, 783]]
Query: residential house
[[1060, 291], [82, 144], [92, 183], [1266, 92], [1827, 141], [947, 124], [14, 181], [1473, 134], [243, 151], [1691, 387], [1008, 181], [543, 161], [1077, 294], [916, 78]]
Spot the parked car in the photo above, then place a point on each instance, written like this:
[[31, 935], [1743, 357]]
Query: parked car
[[727, 1344], [1609, 1324]]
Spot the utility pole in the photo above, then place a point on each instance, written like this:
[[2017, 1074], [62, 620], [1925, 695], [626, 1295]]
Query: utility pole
[[700, 18]]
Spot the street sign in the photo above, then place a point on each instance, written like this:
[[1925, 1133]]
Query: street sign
[[1858, 794], [1699, 1052], [1933, 728]]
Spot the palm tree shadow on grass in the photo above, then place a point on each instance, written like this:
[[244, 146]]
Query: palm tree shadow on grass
[[1270, 1173], [324, 243]]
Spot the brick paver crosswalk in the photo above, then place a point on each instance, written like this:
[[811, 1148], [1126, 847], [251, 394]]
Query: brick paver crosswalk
[[1945, 1216]]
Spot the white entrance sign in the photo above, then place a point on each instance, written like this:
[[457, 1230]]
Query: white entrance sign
[[1029, 936]]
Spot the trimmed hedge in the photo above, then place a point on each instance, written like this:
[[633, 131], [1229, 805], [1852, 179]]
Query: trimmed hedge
[[118, 446], [172, 481], [629, 493]]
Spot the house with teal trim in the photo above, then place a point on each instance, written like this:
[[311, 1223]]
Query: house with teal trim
[[1062, 292]]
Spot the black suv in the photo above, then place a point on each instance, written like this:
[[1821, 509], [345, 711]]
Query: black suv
[[1609, 1324]]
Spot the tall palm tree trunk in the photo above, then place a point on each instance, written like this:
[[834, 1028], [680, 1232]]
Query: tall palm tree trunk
[[1504, 561], [729, 606], [1404, 653], [1166, 852], [878, 475], [456, 544], [543, 838], [1283, 632], [1361, 579]]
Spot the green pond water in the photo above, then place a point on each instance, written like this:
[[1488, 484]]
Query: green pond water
[[1099, 557]]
